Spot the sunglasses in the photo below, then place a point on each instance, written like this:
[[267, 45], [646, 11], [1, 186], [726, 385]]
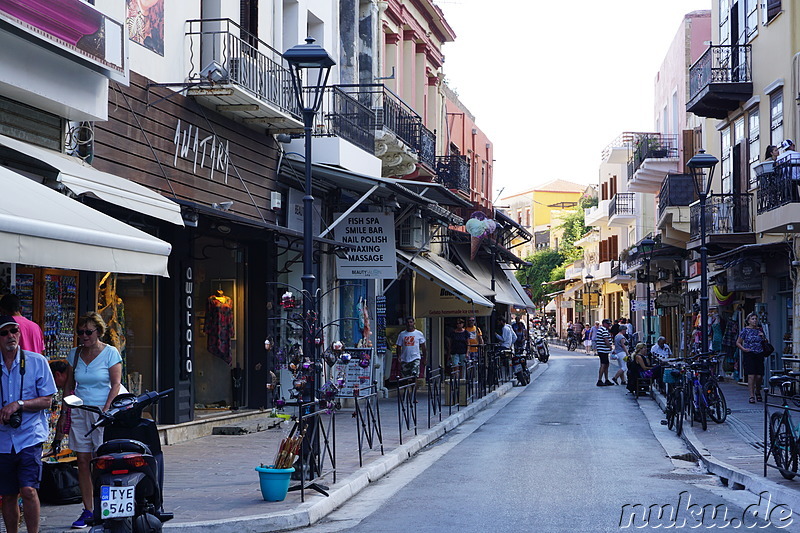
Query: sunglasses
[[5, 332], [85, 331]]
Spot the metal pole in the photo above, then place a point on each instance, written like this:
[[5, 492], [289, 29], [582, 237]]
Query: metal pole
[[309, 280], [703, 277], [647, 303]]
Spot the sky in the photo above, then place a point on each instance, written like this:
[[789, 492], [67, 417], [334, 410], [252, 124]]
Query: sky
[[553, 83]]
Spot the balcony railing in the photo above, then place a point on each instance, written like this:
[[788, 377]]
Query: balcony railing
[[720, 80], [246, 61], [725, 214], [720, 64], [394, 115], [452, 171], [676, 191], [618, 268], [651, 146], [778, 186], [343, 116], [622, 204]]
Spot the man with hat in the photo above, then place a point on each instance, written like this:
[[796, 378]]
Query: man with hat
[[26, 390]]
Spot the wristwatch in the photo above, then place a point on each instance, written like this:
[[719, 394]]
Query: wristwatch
[[21, 403]]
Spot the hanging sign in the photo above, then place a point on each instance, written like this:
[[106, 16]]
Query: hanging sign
[[745, 276], [668, 299], [374, 255]]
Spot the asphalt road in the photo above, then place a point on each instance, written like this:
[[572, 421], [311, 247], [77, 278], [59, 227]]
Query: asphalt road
[[558, 455]]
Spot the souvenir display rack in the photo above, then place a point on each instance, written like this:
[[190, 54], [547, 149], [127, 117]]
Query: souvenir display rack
[[49, 297]]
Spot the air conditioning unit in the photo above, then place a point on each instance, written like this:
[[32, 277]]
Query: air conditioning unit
[[412, 234], [245, 72]]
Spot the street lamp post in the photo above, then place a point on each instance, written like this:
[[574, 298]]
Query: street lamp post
[[309, 57], [588, 280], [698, 165], [646, 246]]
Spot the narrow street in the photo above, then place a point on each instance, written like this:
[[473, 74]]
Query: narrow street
[[559, 455]]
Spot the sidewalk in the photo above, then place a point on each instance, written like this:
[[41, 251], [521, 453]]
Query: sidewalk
[[734, 450], [211, 483]]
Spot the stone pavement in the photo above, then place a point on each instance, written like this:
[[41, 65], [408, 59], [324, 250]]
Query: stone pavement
[[211, 483]]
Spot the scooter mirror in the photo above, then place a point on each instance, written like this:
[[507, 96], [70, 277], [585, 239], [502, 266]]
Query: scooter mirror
[[73, 401]]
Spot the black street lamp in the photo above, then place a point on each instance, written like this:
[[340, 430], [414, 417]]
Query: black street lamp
[[646, 246], [698, 165], [309, 57], [588, 280]]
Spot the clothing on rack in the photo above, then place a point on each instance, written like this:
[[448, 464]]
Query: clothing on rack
[[219, 325]]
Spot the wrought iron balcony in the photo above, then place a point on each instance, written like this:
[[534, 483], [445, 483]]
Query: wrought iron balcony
[[391, 113], [622, 205], [651, 146], [241, 60], [778, 186], [725, 214], [452, 171], [720, 81], [676, 191], [342, 115]]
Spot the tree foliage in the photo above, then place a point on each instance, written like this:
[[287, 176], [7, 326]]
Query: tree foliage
[[543, 263]]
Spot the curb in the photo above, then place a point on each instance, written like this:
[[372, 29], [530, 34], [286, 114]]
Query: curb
[[732, 477], [309, 513]]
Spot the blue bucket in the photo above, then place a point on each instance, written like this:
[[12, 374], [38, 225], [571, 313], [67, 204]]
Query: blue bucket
[[274, 482]]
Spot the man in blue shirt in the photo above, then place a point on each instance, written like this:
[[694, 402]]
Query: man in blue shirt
[[26, 390], [506, 336]]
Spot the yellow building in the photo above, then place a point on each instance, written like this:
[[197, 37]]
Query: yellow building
[[541, 210]]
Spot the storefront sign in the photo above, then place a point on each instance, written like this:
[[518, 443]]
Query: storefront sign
[[668, 299], [744, 276], [207, 151], [187, 322], [374, 255], [431, 300]]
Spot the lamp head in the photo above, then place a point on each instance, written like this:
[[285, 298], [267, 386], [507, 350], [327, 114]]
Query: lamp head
[[307, 57], [698, 165], [646, 246]]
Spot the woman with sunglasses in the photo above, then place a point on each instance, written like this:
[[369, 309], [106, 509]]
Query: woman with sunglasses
[[96, 378]]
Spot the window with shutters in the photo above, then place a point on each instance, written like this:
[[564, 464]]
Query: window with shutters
[[751, 12], [727, 161], [754, 144], [773, 9]]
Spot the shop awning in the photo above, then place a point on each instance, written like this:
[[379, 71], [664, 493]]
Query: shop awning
[[508, 290], [42, 227], [81, 178], [446, 276]]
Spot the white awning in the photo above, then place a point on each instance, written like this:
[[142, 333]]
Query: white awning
[[446, 275], [42, 227], [507, 291], [81, 178]]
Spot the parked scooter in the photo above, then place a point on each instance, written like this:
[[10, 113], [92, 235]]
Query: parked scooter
[[519, 365], [128, 470], [541, 347]]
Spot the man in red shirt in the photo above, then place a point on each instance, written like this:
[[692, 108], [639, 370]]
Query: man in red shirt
[[31, 337]]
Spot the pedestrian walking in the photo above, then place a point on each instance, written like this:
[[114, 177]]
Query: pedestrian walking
[[475, 337], [26, 390], [411, 348], [505, 338], [455, 346], [96, 377], [620, 351], [603, 348], [751, 343], [31, 337]]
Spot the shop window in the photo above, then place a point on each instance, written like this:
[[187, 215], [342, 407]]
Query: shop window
[[356, 328], [127, 304]]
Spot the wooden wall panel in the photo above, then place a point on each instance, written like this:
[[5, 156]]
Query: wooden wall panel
[[138, 142]]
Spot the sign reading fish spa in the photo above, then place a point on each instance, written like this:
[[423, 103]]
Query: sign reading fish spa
[[374, 255]]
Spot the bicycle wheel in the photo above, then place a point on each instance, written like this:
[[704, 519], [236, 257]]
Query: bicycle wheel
[[717, 405], [702, 407], [670, 411], [680, 410], [782, 445]]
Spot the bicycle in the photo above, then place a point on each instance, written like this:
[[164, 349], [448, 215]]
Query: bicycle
[[676, 401], [717, 404], [784, 435], [697, 407]]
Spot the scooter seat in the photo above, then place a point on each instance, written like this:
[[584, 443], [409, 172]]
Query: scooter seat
[[123, 446]]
